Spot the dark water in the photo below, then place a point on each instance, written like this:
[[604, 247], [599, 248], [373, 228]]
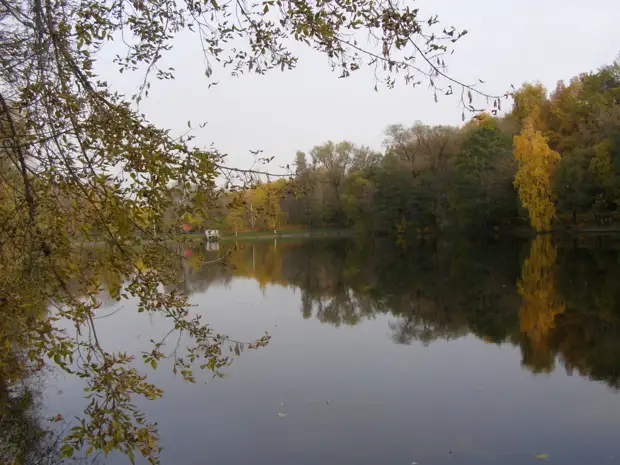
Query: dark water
[[449, 352]]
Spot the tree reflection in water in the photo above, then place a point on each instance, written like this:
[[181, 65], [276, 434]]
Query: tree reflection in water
[[26, 436], [557, 300], [541, 304]]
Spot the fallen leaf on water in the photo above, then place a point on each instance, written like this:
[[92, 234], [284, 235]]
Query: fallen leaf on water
[[282, 415], [543, 456]]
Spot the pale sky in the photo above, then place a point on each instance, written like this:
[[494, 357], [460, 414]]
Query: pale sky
[[509, 42]]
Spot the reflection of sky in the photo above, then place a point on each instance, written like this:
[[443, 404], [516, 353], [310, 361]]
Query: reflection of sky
[[461, 401]]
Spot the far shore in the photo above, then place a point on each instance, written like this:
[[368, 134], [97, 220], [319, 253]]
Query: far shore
[[333, 233], [521, 231], [278, 234]]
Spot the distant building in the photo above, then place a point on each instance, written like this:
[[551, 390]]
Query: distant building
[[212, 235]]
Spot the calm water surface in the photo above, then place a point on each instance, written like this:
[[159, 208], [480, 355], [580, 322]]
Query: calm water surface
[[449, 352]]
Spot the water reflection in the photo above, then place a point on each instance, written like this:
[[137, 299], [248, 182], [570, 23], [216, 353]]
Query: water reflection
[[558, 303], [553, 305], [541, 303], [26, 436]]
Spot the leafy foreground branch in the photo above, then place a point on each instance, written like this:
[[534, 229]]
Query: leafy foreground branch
[[78, 165]]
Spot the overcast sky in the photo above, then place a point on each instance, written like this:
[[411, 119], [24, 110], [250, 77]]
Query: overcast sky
[[509, 42]]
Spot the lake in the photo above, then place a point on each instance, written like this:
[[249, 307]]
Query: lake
[[447, 351]]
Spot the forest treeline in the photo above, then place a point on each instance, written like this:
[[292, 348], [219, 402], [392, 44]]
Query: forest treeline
[[555, 157]]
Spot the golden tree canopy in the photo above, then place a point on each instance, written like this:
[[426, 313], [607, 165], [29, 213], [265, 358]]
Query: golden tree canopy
[[533, 179]]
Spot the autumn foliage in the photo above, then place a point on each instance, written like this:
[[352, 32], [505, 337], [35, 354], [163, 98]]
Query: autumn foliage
[[537, 288], [534, 175]]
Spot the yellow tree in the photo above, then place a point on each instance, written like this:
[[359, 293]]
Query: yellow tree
[[273, 212], [256, 200], [533, 179], [530, 102], [265, 204], [235, 218]]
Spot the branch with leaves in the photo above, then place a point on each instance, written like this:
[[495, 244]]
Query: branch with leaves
[[80, 164]]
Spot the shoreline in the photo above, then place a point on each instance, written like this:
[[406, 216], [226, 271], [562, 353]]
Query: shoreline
[[522, 232], [288, 235]]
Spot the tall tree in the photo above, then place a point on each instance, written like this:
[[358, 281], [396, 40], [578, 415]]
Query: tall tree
[[483, 192], [438, 145], [334, 160], [533, 178], [530, 102], [573, 182], [365, 158]]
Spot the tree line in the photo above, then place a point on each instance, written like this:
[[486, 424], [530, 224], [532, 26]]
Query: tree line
[[553, 158]]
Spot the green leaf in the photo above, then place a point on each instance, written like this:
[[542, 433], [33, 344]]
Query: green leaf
[[66, 451]]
